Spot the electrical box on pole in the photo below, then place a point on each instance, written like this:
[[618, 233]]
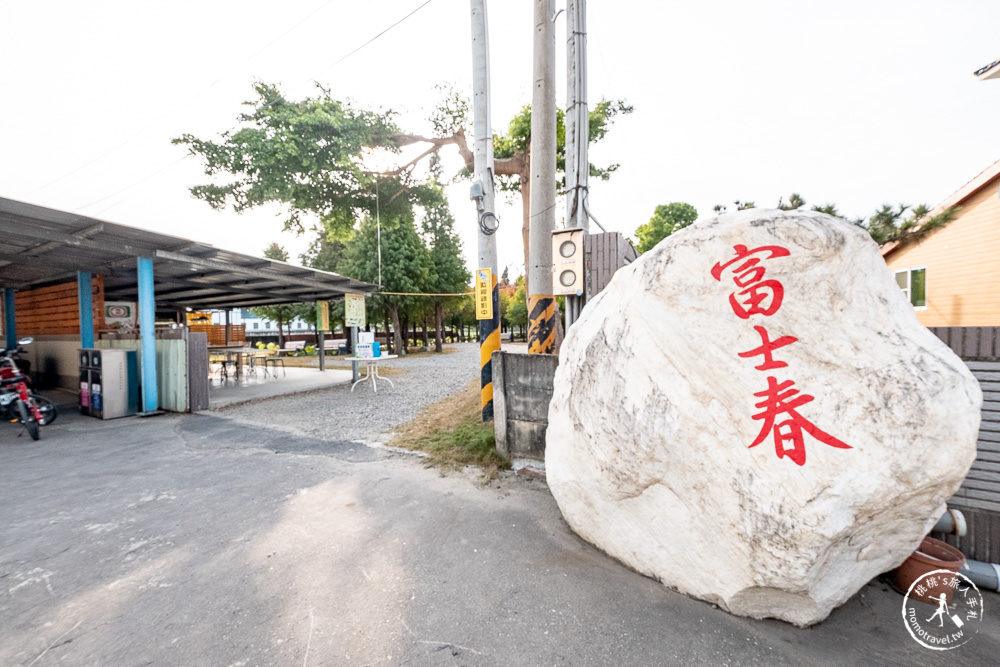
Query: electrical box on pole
[[567, 262]]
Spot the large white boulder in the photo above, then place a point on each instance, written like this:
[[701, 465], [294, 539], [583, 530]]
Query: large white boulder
[[752, 414]]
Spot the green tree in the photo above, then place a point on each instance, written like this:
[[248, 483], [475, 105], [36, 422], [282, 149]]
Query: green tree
[[405, 264], [829, 209], [283, 313], [512, 157], [448, 273], [667, 219], [794, 202], [305, 155], [517, 308], [310, 157], [904, 224]]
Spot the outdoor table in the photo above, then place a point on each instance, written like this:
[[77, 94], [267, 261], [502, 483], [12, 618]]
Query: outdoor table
[[371, 370], [233, 353]]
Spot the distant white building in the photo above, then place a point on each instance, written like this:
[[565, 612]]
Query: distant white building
[[256, 326]]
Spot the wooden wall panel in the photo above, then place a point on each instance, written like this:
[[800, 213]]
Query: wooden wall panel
[[603, 255], [217, 333], [54, 310], [960, 260], [979, 495]]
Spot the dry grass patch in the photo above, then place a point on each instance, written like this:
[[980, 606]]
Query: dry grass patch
[[451, 432]]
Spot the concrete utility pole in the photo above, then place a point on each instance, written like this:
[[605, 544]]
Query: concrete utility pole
[[542, 215], [483, 195], [577, 132]]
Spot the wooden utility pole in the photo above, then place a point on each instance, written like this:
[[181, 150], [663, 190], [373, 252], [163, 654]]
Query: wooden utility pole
[[488, 314], [577, 132], [541, 302]]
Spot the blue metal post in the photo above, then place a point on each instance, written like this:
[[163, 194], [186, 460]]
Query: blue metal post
[[147, 333], [10, 321], [85, 301]]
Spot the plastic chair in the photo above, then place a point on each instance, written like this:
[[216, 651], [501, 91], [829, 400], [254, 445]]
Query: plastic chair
[[273, 363]]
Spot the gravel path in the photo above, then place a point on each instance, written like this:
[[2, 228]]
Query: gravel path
[[338, 414]]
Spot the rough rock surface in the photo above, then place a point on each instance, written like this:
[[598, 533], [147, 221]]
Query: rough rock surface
[[752, 414]]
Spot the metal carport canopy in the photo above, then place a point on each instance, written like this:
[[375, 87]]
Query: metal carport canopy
[[43, 246]]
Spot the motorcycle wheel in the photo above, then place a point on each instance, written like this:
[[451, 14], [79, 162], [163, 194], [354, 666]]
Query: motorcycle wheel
[[29, 422], [46, 407]]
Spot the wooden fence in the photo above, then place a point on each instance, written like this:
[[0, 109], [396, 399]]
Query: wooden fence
[[603, 255], [55, 310], [979, 495], [217, 333]]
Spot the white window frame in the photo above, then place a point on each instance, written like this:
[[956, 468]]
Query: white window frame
[[909, 285]]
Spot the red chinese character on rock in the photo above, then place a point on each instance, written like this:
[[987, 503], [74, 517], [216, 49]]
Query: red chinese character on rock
[[781, 399], [759, 296], [767, 348]]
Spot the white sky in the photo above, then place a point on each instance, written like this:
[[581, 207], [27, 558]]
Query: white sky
[[857, 103]]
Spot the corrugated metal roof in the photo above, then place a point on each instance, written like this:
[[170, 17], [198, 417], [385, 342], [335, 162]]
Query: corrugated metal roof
[[43, 246]]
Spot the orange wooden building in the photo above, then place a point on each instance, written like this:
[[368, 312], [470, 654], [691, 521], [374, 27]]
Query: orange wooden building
[[949, 276]]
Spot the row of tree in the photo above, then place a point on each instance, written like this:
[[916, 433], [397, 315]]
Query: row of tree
[[417, 264], [314, 156], [902, 224]]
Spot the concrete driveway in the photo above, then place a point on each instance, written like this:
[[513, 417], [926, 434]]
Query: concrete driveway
[[196, 540]]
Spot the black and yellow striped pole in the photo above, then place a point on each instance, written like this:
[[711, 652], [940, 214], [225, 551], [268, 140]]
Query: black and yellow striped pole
[[541, 324], [487, 295], [488, 314], [542, 220]]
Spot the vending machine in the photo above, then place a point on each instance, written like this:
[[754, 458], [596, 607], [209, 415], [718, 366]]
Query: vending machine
[[109, 383]]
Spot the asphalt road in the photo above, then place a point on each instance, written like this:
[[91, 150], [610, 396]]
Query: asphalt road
[[203, 540]]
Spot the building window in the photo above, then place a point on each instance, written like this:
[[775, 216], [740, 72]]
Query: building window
[[256, 325], [913, 282]]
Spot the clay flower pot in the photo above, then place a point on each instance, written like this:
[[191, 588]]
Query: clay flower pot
[[931, 555]]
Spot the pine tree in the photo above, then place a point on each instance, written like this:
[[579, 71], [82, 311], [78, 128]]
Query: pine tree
[[405, 264], [448, 273]]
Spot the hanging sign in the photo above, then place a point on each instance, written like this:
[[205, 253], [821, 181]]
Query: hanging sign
[[484, 294], [323, 315], [354, 310], [196, 317], [119, 314]]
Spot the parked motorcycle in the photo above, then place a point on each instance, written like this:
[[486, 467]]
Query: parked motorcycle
[[18, 402]]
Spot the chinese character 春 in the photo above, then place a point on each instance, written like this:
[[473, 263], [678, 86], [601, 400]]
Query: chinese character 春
[[783, 399]]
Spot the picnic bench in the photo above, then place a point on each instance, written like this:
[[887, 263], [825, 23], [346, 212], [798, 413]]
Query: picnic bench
[[338, 345], [292, 347]]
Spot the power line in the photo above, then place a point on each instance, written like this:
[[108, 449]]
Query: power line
[[266, 104], [342, 59], [426, 294], [187, 102]]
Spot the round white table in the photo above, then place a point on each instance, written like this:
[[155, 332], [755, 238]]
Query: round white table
[[371, 370]]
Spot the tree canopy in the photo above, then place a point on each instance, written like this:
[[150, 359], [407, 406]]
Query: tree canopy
[[306, 155], [667, 219], [902, 224], [313, 157]]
